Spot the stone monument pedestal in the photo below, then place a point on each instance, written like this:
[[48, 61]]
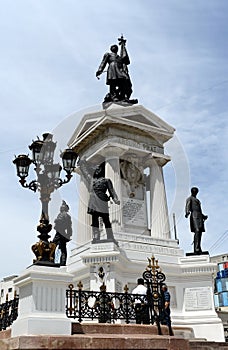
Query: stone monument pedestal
[[189, 279], [42, 292], [130, 142], [194, 288], [194, 254]]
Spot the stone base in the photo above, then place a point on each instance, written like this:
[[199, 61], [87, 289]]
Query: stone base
[[98, 342], [128, 103], [42, 293], [202, 253], [45, 263], [108, 336], [207, 345], [105, 328], [100, 241], [39, 324]]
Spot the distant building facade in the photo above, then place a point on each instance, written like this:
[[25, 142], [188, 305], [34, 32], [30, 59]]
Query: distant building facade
[[7, 288], [221, 290]]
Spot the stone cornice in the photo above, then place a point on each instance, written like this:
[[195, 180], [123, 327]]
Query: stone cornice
[[133, 118]]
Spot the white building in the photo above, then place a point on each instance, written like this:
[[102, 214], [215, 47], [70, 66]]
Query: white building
[[7, 287]]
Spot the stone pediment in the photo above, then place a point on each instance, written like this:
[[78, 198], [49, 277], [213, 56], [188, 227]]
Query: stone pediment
[[136, 119]]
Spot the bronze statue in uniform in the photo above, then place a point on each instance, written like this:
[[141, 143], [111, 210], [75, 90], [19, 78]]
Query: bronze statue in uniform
[[118, 77], [63, 227], [197, 218], [98, 202]]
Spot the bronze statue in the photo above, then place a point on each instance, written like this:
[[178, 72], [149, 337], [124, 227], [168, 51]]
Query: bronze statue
[[98, 201], [197, 218], [118, 77], [63, 227]]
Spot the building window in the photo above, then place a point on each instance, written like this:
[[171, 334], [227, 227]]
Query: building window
[[2, 293], [10, 290]]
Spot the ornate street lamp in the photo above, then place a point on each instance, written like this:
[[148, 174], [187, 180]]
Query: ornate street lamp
[[48, 180]]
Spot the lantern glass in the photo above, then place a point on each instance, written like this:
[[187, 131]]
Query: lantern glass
[[22, 163], [53, 171], [69, 158], [36, 148], [48, 149]]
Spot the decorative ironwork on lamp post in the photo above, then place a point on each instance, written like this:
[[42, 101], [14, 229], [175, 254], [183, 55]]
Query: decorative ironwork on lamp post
[[48, 180]]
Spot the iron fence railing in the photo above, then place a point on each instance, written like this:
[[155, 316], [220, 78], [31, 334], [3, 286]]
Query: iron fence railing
[[109, 307], [8, 312], [106, 307]]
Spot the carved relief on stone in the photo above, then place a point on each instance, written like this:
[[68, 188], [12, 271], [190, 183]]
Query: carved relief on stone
[[132, 176]]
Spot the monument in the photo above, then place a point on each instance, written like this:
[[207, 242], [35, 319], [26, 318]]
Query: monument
[[125, 145], [128, 141]]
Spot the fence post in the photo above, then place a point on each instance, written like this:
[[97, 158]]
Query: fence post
[[80, 286], [70, 296], [126, 303]]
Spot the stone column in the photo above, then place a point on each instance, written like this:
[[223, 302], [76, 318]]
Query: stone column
[[159, 218], [84, 232], [112, 171]]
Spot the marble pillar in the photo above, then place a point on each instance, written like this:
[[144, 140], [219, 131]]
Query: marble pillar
[[159, 218], [112, 171], [84, 231]]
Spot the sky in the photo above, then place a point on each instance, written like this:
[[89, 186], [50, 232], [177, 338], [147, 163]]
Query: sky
[[50, 51]]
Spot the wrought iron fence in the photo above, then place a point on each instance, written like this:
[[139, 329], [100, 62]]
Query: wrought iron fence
[[104, 306], [8, 312], [108, 307]]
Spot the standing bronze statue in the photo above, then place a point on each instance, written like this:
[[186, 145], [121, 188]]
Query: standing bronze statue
[[197, 218], [63, 227], [98, 202], [118, 77]]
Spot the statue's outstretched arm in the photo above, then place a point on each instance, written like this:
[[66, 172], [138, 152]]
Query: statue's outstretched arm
[[85, 170], [112, 192], [103, 64]]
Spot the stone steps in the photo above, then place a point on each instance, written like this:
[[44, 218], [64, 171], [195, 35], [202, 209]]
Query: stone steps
[[110, 337], [98, 342]]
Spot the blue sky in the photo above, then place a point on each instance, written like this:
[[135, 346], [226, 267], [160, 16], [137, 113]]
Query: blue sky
[[50, 51]]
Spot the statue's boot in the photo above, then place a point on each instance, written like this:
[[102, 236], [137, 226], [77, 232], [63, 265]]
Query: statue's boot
[[197, 243], [63, 259], [110, 235], [96, 234]]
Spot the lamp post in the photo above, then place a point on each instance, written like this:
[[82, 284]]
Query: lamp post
[[48, 180]]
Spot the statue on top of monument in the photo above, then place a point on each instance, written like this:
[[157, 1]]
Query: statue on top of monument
[[98, 187], [118, 79], [197, 218]]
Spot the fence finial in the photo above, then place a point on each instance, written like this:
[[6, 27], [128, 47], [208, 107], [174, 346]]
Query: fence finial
[[126, 289], [103, 287], [80, 285]]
